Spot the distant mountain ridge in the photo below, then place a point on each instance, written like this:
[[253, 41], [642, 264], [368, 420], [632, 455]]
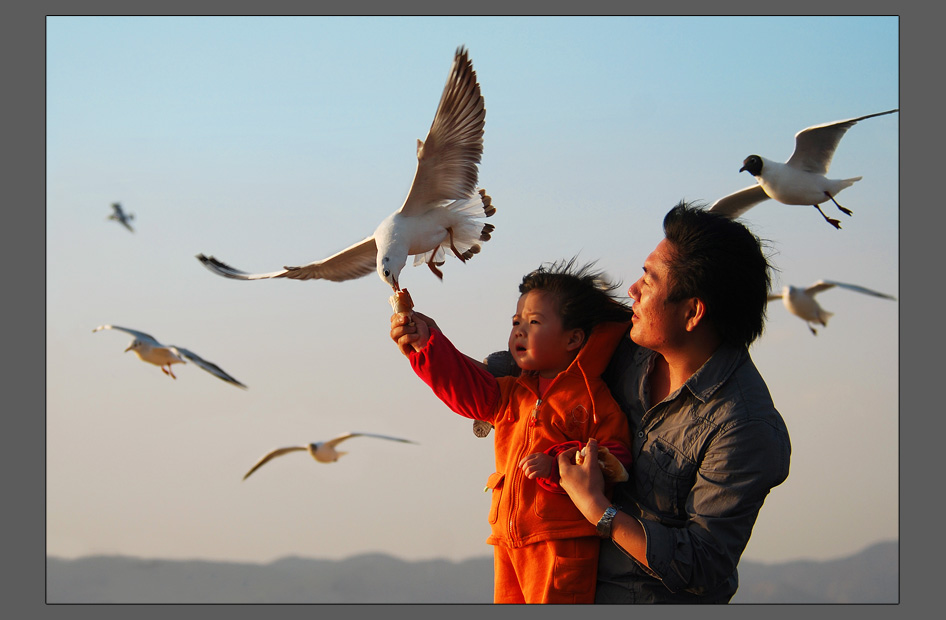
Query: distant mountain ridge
[[871, 576]]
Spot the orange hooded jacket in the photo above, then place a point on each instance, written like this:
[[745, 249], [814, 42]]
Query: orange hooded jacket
[[576, 406]]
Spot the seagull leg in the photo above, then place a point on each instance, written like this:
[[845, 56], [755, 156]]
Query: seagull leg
[[813, 331], [435, 270], [843, 210], [830, 220], [168, 372], [456, 252]]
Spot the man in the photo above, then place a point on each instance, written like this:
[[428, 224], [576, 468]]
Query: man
[[707, 441]]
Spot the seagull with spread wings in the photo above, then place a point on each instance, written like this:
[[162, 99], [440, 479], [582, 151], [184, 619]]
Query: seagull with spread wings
[[801, 301], [323, 452], [442, 210], [150, 350], [800, 180]]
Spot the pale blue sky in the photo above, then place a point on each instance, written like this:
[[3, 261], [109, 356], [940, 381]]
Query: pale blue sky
[[271, 141]]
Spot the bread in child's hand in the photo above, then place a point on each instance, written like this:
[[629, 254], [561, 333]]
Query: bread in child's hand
[[401, 302], [611, 467]]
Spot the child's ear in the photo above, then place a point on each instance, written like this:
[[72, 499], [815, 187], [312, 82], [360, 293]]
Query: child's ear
[[575, 339]]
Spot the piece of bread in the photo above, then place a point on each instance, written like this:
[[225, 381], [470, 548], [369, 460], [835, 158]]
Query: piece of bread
[[611, 467], [401, 302]]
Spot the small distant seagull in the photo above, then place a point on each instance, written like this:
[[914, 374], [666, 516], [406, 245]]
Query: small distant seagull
[[801, 301], [323, 452], [799, 181], [121, 217], [150, 350], [441, 210]]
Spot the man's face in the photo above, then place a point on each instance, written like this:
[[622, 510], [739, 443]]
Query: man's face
[[657, 323]]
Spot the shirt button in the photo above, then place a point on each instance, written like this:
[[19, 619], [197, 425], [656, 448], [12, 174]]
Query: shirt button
[[640, 434]]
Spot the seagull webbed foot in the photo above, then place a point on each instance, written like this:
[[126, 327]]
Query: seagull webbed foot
[[830, 220]]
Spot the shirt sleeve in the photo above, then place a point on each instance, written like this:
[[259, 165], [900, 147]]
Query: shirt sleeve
[[466, 388], [739, 468]]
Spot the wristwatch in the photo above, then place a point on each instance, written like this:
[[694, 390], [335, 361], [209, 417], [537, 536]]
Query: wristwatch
[[604, 523]]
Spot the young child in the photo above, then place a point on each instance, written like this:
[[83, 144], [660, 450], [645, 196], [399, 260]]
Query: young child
[[566, 326]]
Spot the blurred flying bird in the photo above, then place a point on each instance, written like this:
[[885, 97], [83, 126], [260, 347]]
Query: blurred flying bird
[[441, 210], [121, 217], [801, 301], [799, 181], [150, 350], [323, 452]]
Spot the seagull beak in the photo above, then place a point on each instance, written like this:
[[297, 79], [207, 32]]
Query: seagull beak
[[743, 169], [128, 349], [397, 287]]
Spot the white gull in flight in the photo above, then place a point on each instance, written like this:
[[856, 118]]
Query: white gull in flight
[[323, 452], [150, 350], [441, 212], [800, 180], [801, 301]]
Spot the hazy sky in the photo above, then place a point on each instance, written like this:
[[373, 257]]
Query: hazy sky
[[271, 141]]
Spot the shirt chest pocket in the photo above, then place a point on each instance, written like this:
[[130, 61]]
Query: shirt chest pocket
[[672, 476]]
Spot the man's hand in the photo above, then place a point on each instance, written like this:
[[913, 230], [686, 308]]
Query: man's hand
[[584, 483]]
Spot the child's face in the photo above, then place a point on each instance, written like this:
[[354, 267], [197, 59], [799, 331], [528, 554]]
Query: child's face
[[538, 341]]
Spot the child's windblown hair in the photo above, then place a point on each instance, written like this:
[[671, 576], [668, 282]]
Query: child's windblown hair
[[585, 297]]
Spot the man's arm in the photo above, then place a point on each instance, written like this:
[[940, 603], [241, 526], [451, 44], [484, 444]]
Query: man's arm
[[585, 486]]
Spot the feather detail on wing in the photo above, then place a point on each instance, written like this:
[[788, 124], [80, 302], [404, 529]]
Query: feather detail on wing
[[447, 160], [353, 262]]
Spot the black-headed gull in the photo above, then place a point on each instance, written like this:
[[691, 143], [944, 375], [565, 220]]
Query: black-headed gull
[[801, 301], [150, 350], [119, 215], [442, 208], [800, 180], [323, 452]]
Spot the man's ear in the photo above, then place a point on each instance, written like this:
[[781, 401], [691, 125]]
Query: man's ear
[[575, 339], [695, 313]]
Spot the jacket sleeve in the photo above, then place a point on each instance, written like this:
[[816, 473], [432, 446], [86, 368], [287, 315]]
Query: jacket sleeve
[[467, 389]]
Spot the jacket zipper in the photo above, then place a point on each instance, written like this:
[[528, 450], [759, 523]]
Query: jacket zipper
[[533, 420]]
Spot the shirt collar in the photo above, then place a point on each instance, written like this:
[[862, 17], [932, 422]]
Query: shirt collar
[[710, 376]]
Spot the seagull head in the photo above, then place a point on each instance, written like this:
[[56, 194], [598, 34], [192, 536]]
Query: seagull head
[[135, 344], [389, 268], [752, 165]]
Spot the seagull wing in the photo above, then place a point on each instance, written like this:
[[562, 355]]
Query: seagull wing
[[351, 263], [823, 285], [815, 146], [737, 203], [447, 160], [117, 208], [272, 455], [134, 332], [337, 440], [126, 224], [208, 366]]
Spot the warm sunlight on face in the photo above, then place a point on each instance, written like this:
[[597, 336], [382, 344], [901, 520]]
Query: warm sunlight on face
[[538, 341], [652, 325]]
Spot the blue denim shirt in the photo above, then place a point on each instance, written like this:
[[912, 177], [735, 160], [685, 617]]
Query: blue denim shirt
[[704, 460]]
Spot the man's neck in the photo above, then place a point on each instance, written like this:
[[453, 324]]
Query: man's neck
[[672, 368]]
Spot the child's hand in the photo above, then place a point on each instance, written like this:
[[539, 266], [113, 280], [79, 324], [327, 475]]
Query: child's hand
[[536, 465], [411, 332]]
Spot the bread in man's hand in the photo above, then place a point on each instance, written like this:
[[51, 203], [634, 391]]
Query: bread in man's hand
[[611, 467]]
